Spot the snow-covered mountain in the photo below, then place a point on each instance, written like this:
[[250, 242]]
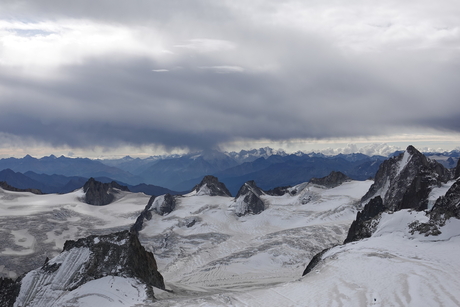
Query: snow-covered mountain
[[212, 253]]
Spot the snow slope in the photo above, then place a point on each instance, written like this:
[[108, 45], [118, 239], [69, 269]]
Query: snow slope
[[33, 227], [222, 252], [392, 268]]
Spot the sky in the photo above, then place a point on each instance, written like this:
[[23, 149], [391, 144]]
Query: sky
[[143, 77]]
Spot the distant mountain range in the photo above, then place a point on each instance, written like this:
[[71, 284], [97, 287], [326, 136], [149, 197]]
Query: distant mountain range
[[63, 184], [268, 167]]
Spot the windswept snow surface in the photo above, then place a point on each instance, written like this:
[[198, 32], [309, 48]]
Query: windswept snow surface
[[33, 227], [221, 252], [392, 268]]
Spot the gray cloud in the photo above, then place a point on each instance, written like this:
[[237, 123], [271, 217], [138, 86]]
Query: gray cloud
[[253, 80]]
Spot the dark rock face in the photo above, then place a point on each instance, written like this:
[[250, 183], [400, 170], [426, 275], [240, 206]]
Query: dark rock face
[[117, 254], [406, 180], [457, 170], [211, 185], [9, 290], [447, 206], [280, 191], [334, 179], [6, 186], [314, 261], [366, 221], [161, 205], [248, 199], [101, 194]]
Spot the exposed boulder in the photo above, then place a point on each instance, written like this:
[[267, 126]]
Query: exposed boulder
[[5, 186], [248, 200], [118, 254], [334, 179], [406, 180], [366, 220], [211, 185], [101, 194]]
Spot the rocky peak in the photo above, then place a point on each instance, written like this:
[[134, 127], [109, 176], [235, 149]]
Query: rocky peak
[[101, 194], [248, 199], [405, 181], [334, 179], [161, 205], [117, 254], [211, 185]]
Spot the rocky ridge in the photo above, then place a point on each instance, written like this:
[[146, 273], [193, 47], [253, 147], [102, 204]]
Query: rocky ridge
[[332, 180], [5, 186], [405, 182], [84, 260]]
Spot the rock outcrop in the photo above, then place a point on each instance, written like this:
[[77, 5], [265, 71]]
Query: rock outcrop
[[334, 179], [211, 185], [457, 170], [366, 220], [118, 254], [280, 191], [248, 200], [5, 186], [314, 261], [101, 194], [446, 207], [161, 205], [406, 180]]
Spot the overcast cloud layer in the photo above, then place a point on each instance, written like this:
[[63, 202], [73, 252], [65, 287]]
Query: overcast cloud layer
[[198, 74]]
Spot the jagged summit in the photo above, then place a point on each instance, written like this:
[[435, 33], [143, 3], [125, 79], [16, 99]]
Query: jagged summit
[[101, 194], [87, 260], [405, 181], [248, 199], [332, 180], [211, 185]]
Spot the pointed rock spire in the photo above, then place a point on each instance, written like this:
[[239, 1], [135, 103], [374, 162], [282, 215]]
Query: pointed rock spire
[[211, 185], [248, 199], [405, 181]]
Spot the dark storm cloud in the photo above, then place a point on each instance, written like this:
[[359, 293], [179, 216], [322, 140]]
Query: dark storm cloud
[[263, 82]]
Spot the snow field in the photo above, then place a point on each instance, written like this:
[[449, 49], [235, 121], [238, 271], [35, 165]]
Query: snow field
[[222, 252], [392, 268]]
